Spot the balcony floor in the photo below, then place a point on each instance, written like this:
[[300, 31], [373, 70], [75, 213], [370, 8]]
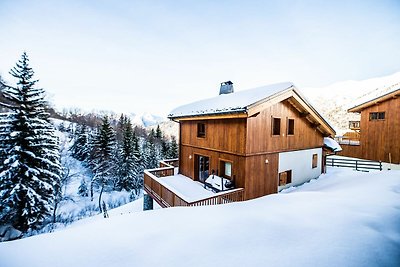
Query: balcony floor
[[185, 188]]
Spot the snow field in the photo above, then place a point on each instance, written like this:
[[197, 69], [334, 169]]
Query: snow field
[[344, 218]]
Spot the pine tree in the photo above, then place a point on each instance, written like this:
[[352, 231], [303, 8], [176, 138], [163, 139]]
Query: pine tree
[[158, 133], [83, 189], [104, 160], [173, 149], [31, 172], [78, 149], [127, 167]]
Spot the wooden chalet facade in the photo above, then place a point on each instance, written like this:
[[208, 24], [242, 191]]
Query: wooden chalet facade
[[378, 131], [262, 139]]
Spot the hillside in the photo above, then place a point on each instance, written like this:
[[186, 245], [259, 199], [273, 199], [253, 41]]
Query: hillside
[[334, 100], [344, 218]]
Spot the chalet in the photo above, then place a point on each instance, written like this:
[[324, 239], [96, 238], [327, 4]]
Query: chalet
[[376, 135], [255, 142]]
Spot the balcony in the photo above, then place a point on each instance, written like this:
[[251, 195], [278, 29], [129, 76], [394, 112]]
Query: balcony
[[170, 189], [354, 125]]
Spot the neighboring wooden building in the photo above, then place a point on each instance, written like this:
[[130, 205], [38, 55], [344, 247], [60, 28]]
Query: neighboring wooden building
[[263, 139], [378, 129]]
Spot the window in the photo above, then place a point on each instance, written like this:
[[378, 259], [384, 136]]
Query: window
[[276, 126], [201, 130], [285, 177], [290, 128], [376, 116], [226, 169], [314, 161]]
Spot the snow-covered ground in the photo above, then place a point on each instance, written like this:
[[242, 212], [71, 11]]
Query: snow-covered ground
[[344, 218]]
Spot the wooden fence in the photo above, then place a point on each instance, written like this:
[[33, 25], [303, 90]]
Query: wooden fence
[[359, 165], [167, 198]]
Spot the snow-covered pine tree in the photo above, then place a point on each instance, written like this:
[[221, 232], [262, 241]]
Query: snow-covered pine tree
[[31, 172], [150, 154], [83, 189], [104, 161], [127, 167], [173, 149], [78, 149]]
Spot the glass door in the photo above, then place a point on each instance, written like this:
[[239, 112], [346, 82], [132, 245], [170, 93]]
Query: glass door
[[202, 166]]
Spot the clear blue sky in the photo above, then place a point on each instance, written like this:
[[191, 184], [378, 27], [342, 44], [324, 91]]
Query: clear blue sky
[[136, 56]]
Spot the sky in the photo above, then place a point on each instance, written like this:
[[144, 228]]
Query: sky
[[152, 56]]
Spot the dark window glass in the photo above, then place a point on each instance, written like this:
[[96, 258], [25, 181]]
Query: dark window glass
[[276, 126], [201, 130], [376, 116], [290, 127]]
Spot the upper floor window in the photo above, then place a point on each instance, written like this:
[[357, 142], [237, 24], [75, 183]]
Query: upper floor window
[[201, 130], [276, 126], [376, 116], [290, 129]]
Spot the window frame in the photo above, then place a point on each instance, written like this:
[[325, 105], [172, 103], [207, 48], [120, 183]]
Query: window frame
[[314, 163], [377, 116], [288, 127], [287, 179], [273, 126], [201, 134], [222, 169]]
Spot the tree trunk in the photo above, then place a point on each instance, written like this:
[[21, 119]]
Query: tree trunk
[[91, 190], [101, 192]]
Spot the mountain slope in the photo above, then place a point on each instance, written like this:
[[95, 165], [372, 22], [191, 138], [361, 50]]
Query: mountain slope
[[334, 100]]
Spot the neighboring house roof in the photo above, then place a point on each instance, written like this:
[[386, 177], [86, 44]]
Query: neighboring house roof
[[249, 103], [376, 100]]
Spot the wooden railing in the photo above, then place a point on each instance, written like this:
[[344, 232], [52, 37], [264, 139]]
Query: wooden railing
[[165, 197], [359, 165], [169, 163]]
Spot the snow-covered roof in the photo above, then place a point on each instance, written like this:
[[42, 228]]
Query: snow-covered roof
[[246, 102], [332, 144], [372, 99], [237, 102]]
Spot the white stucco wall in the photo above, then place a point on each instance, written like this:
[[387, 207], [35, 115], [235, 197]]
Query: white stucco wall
[[300, 162]]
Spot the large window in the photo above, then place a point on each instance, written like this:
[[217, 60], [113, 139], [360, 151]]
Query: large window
[[290, 129], [276, 126], [314, 161], [201, 130], [285, 177], [376, 116], [226, 169]]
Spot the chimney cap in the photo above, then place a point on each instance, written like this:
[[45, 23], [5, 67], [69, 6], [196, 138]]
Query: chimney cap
[[226, 88]]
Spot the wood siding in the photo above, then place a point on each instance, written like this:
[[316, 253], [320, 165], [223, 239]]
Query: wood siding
[[353, 151], [261, 140], [261, 177], [227, 135], [378, 138]]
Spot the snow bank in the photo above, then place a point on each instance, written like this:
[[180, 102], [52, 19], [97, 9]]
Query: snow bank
[[344, 218]]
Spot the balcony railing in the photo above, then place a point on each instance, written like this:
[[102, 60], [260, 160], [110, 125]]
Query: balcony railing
[[354, 125], [165, 197]]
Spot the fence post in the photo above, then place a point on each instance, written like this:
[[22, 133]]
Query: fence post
[[380, 165], [356, 165]]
